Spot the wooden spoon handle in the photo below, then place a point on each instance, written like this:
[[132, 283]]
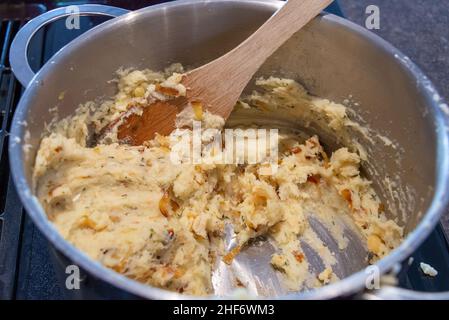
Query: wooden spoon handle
[[220, 83], [294, 15]]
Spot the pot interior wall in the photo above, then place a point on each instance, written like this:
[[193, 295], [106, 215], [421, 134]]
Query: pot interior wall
[[328, 57]]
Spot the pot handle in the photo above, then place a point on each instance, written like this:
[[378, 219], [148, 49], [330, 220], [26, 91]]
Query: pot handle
[[396, 293], [19, 48]]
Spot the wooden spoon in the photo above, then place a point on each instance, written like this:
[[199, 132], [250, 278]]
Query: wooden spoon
[[219, 84]]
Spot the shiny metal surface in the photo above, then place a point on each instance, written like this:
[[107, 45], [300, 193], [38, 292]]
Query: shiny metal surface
[[251, 268], [19, 47], [332, 57]]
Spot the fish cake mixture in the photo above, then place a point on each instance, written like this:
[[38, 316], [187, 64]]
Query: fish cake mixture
[[135, 211]]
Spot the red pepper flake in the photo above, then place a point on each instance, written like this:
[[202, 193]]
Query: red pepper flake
[[171, 233], [347, 195], [296, 150], [314, 178], [231, 255], [239, 283], [299, 256]]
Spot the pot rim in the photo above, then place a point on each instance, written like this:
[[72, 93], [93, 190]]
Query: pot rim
[[349, 285]]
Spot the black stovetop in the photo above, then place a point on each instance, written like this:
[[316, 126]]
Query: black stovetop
[[26, 271]]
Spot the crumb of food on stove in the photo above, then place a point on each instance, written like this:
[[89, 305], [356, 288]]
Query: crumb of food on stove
[[160, 223], [427, 269]]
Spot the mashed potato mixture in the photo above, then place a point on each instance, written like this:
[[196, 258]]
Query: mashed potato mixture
[[135, 211]]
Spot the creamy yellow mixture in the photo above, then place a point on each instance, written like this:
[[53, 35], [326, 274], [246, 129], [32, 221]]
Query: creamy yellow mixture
[[162, 224]]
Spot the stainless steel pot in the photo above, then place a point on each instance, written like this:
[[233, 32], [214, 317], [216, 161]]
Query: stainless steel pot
[[332, 57]]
